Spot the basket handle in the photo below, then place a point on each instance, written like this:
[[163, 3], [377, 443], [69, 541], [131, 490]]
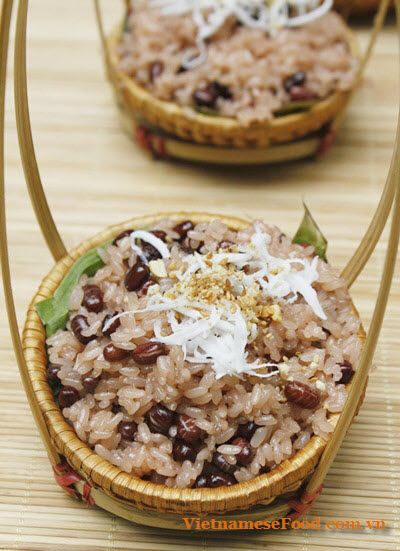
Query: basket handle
[[379, 20], [361, 375], [5, 17], [27, 150]]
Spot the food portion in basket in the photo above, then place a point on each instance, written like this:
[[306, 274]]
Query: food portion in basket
[[245, 59], [193, 355]]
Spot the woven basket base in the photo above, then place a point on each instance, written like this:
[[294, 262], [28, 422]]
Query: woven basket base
[[167, 147], [275, 511]]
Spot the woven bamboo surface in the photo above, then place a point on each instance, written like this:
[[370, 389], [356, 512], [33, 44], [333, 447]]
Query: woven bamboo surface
[[95, 176]]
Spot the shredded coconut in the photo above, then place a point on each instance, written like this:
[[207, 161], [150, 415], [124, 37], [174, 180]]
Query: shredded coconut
[[149, 238], [214, 306]]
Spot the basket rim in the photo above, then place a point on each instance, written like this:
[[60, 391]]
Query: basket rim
[[169, 110], [100, 472]]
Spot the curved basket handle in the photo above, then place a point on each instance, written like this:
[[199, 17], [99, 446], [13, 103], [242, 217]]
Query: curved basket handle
[[5, 15], [361, 375], [374, 231], [27, 150], [379, 20]]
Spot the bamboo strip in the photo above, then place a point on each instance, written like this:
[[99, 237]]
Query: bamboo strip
[[27, 149], [378, 23], [376, 322], [373, 233], [102, 33], [6, 9]]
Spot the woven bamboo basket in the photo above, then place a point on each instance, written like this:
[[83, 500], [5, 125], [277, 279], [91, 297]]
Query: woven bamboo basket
[[287, 491], [167, 130]]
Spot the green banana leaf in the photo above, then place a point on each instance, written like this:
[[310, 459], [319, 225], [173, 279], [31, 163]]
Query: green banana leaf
[[310, 234], [54, 311]]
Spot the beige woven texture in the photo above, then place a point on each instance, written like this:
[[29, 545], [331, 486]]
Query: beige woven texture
[[94, 176]]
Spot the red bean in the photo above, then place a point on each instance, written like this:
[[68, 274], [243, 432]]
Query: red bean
[[157, 478], [79, 324], [67, 396], [187, 246], [183, 228], [182, 451], [297, 79], [302, 395], [155, 70], [201, 481], [222, 464], [122, 235], [212, 477], [221, 90], [209, 468], [160, 234], [137, 276], [246, 455], [90, 383], [112, 353], [113, 327], [145, 288], [148, 352], [52, 373], [347, 373], [127, 430], [273, 369], [159, 419], [116, 408], [214, 480], [150, 252], [205, 97], [93, 298], [187, 429], [247, 430]]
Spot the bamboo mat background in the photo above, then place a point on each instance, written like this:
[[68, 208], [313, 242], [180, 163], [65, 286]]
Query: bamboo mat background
[[94, 175]]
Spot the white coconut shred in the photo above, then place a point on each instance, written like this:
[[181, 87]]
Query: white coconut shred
[[214, 305]]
